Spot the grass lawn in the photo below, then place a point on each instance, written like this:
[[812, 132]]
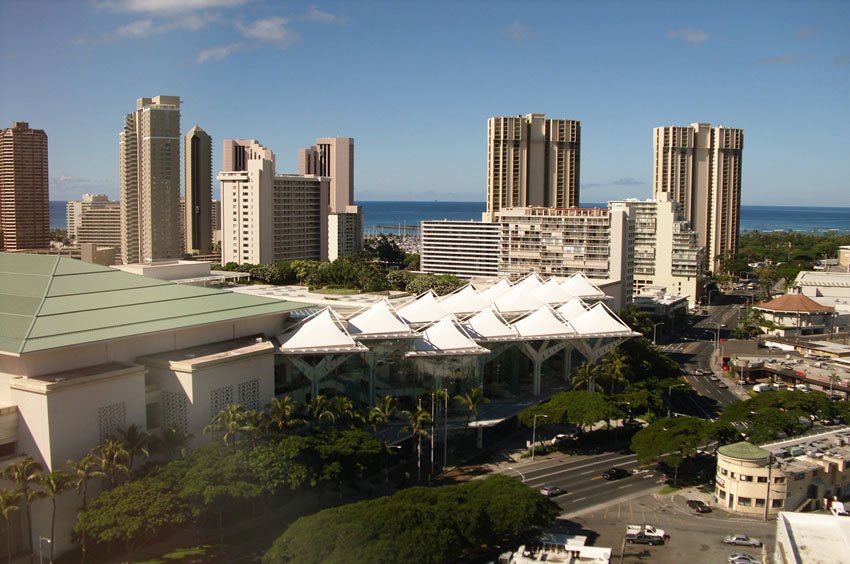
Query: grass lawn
[[336, 291], [202, 553]]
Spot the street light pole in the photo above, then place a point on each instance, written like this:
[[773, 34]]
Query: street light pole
[[654, 327], [446, 430], [521, 475], [41, 541], [534, 433]]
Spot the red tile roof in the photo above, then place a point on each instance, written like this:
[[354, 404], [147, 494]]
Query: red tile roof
[[796, 303]]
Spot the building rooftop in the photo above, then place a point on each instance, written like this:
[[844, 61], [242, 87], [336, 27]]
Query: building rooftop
[[49, 302], [795, 303], [743, 451], [812, 538]]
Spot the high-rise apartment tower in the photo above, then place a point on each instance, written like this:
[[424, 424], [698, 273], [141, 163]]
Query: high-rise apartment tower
[[149, 177], [699, 166], [198, 171], [332, 157], [532, 162], [24, 207]]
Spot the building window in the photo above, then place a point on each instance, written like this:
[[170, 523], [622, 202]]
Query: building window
[[732, 475], [800, 476], [759, 502], [762, 479], [745, 478], [779, 480], [776, 503], [721, 493], [724, 472], [744, 501]]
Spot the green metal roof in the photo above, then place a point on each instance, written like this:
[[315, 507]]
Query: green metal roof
[[50, 302], [743, 451]]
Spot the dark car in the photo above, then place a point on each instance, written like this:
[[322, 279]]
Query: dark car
[[551, 491], [615, 474], [699, 506]]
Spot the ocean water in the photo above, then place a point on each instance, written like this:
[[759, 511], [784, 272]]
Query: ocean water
[[404, 217]]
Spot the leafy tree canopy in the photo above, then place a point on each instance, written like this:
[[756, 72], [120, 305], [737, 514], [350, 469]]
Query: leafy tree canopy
[[576, 407], [679, 435]]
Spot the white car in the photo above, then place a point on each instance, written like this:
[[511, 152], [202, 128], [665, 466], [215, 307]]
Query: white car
[[743, 559], [742, 540]]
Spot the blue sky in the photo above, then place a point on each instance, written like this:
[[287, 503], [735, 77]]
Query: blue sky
[[414, 84]]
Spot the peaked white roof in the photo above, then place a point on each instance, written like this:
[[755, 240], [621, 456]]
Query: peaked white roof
[[552, 293], [530, 282], [378, 321], [465, 300], [519, 299], [488, 325], [543, 323], [321, 333], [580, 285], [445, 338], [496, 290], [572, 309], [600, 321], [422, 310]]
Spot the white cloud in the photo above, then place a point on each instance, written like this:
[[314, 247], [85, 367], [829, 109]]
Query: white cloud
[[218, 53], [314, 14], [272, 29], [519, 33], [148, 27], [689, 35], [165, 6], [136, 30]]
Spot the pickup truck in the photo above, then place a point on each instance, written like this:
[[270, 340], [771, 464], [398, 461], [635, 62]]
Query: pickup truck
[[839, 509], [645, 534]]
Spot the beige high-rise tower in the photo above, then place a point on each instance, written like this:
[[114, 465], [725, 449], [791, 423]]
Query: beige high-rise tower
[[699, 166], [24, 208], [532, 161], [198, 174], [332, 157], [149, 177]]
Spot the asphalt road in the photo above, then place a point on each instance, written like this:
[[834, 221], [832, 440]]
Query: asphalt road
[[581, 477]]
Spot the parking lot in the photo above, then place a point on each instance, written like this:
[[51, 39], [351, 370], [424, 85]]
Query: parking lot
[[693, 537]]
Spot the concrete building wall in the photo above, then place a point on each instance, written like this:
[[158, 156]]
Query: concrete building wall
[[345, 233], [24, 187], [300, 217]]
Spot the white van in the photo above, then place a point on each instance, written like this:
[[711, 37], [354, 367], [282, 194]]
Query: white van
[[758, 388]]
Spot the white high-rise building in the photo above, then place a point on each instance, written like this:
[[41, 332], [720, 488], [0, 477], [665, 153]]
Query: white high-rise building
[[247, 202], [149, 159], [468, 249], [345, 233], [699, 166]]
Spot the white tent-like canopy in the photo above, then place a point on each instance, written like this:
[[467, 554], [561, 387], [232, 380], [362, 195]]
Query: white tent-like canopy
[[572, 309], [488, 325], [543, 323], [494, 291], [445, 338], [552, 292], [463, 301], [580, 286], [321, 333], [518, 300], [378, 321], [422, 310], [600, 321]]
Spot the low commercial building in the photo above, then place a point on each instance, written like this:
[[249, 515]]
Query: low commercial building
[[791, 475], [795, 315]]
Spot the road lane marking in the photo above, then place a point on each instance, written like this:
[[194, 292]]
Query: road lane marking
[[621, 487], [579, 498], [588, 472]]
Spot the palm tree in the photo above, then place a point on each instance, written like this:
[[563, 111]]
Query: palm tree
[[616, 367], [173, 439], [253, 424], [342, 408], [136, 441], [8, 499], [418, 422], [585, 375], [112, 458], [319, 410], [283, 413], [227, 423], [24, 473], [383, 412], [472, 400], [81, 472], [52, 485]]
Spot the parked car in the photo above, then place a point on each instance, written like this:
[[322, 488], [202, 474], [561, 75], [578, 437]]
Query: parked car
[[743, 559], [564, 437], [722, 385], [699, 506], [551, 491], [615, 473], [741, 540]]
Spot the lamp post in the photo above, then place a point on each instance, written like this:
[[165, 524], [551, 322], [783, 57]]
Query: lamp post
[[521, 475], [654, 327], [708, 303], [534, 433], [716, 335], [446, 429], [41, 541]]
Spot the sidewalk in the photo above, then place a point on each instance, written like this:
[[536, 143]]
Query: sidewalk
[[734, 386], [680, 498]]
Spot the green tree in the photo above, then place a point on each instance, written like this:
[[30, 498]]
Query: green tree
[[471, 402], [228, 424], [418, 423], [24, 474], [174, 440], [585, 376], [53, 484], [82, 471], [319, 410], [670, 439], [136, 442], [113, 459], [8, 505], [283, 413], [132, 512], [616, 368], [382, 413]]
